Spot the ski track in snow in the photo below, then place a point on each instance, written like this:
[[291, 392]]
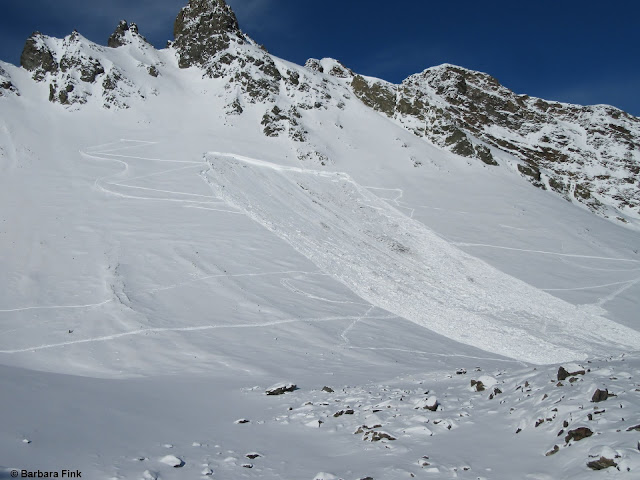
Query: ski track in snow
[[542, 252], [199, 328], [401, 266]]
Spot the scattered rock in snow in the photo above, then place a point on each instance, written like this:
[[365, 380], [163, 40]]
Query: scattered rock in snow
[[601, 395], [376, 436], [328, 389], [430, 403], [247, 465], [149, 475], [571, 371], [253, 455], [26, 440], [477, 385], [601, 464], [578, 434], [461, 371], [496, 391], [553, 451], [241, 421], [281, 389]]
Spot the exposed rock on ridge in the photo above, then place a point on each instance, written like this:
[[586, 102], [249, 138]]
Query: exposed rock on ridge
[[557, 144], [124, 34], [589, 155], [6, 86], [203, 29]]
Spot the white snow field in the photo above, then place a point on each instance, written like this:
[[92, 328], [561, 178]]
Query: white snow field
[[145, 308]]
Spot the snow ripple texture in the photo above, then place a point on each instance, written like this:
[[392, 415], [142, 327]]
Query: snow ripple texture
[[398, 264]]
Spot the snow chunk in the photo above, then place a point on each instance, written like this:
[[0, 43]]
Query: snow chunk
[[325, 476], [172, 461]]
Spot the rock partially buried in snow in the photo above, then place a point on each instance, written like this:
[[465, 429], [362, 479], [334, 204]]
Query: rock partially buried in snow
[[569, 370], [172, 461], [601, 395], [149, 475], [375, 436], [578, 434], [281, 388], [430, 403], [601, 463]]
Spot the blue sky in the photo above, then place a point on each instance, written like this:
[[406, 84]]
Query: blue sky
[[583, 52]]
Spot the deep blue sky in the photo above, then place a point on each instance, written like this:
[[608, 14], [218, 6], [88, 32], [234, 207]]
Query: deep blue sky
[[579, 51]]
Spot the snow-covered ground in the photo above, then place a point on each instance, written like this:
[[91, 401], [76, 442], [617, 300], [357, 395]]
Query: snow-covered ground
[[145, 308]]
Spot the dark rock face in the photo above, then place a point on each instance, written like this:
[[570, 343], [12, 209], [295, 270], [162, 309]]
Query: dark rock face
[[119, 37], [202, 29], [379, 96], [37, 57]]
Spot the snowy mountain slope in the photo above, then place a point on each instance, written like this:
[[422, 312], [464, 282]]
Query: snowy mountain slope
[[140, 310], [587, 155]]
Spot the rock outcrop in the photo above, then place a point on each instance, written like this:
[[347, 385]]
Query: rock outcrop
[[203, 29], [6, 86], [125, 34]]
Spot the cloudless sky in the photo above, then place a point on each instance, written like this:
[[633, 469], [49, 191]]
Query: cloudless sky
[[584, 52]]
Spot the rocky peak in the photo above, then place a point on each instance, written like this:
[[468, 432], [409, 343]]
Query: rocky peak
[[124, 34], [202, 29], [37, 57], [548, 138]]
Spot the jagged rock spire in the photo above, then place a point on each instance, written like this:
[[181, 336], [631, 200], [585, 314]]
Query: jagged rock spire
[[202, 29], [123, 33]]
